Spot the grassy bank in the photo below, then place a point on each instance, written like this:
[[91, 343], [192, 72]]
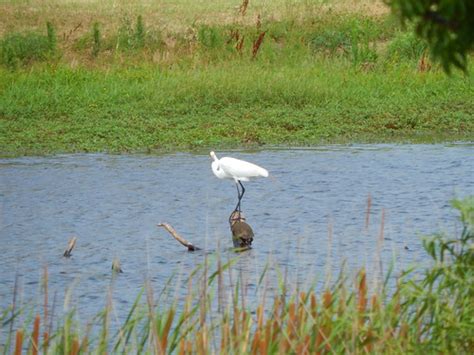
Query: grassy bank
[[144, 108], [429, 311], [145, 76]]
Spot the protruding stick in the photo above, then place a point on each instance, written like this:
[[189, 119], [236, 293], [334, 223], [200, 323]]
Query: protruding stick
[[70, 246], [179, 238], [116, 265], [367, 212]]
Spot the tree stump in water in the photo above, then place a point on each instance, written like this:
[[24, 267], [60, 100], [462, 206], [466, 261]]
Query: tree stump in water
[[242, 233]]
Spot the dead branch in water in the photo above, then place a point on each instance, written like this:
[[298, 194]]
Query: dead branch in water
[[70, 246], [178, 237]]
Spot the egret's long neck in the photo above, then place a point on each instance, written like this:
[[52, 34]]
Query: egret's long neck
[[217, 171]]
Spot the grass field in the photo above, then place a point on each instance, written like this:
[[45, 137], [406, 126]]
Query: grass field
[[142, 76]]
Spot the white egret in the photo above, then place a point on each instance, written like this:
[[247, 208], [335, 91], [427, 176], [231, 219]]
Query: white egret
[[237, 170]]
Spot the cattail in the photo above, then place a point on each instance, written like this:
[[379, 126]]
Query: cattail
[[166, 330], [18, 342], [291, 328], [268, 331], [259, 316], [374, 303], [75, 347], [314, 305], [320, 339], [263, 346], [256, 342], [275, 330], [189, 347], [325, 331], [327, 299], [182, 347], [35, 335], [362, 293]]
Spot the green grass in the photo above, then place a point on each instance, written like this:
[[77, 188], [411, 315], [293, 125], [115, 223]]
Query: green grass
[[118, 80], [429, 310], [236, 104]]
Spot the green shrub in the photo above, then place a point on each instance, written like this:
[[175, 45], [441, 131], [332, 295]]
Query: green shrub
[[443, 301], [131, 37], [23, 48], [354, 37], [406, 45], [331, 42], [363, 36], [210, 37]]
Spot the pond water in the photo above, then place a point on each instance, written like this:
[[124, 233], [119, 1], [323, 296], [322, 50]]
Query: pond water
[[309, 217]]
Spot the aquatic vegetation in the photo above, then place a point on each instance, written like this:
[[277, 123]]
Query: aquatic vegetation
[[430, 312]]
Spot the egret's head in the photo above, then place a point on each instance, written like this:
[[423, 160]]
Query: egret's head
[[213, 155]]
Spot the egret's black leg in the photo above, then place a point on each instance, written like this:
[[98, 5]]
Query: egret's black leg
[[239, 196], [242, 194], [243, 189], [237, 207]]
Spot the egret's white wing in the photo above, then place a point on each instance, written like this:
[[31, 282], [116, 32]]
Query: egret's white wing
[[241, 169]]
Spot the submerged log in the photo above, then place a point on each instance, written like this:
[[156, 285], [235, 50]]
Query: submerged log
[[70, 246], [242, 233], [178, 237]]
